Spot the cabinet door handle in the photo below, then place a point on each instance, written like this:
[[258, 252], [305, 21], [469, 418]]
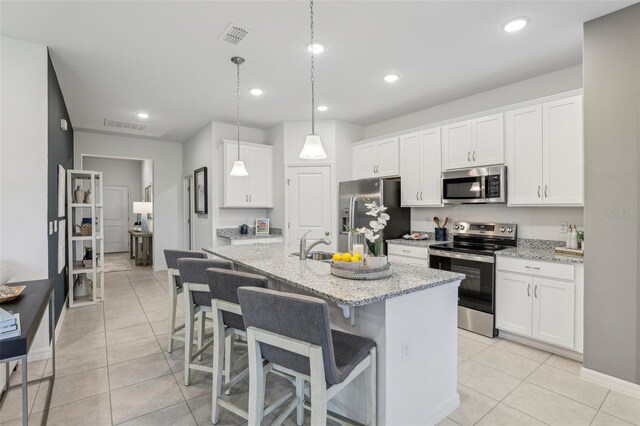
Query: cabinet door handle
[[474, 156], [538, 191], [421, 195], [417, 195], [528, 290], [535, 291], [545, 191], [468, 156], [533, 267], [406, 251], [374, 169], [377, 169], [249, 197], [246, 198]]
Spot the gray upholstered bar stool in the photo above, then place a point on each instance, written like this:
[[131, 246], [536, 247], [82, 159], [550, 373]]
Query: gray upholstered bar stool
[[227, 323], [293, 333], [175, 288], [197, 302]]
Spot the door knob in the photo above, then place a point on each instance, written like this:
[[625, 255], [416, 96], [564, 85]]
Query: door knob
[[326, 233]]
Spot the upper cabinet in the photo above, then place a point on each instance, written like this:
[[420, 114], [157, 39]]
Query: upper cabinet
[[376, 159], [254, 190], [420, 154], [545, 154], [473, 143]]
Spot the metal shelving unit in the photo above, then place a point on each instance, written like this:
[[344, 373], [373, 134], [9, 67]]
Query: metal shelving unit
[[87, 180]]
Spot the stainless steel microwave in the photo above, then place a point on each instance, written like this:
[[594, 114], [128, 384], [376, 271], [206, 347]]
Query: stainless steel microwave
[[480, 185]]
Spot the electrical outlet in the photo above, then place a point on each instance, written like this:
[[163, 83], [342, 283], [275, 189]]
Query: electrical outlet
[[563, 227], [405, 349]]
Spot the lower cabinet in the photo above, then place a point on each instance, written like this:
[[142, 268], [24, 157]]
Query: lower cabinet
[[410, 255], [539, 307]]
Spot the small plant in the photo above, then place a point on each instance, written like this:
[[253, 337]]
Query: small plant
[[372, 234]]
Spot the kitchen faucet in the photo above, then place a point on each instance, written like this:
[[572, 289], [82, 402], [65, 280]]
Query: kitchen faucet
[[304, 250]]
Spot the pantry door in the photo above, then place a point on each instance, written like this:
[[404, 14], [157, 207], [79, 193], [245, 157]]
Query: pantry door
[[309, 205], [116, 218]]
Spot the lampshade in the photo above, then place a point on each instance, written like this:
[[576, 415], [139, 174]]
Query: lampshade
[[142, 207], [312, 149], [239, 169]]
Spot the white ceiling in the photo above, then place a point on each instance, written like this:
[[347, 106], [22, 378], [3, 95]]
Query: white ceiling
[[116, 58]]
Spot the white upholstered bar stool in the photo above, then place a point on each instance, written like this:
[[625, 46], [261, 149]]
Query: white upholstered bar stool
[[228, 323], [293, 333], [197, 303], [175, 288]]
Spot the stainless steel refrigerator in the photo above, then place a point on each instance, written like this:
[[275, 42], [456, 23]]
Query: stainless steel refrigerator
[[352, 197]]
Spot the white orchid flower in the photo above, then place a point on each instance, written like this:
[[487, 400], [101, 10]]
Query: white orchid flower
[[382, 208], [382, 222], [376, 225], [371, 213], [385, 216]]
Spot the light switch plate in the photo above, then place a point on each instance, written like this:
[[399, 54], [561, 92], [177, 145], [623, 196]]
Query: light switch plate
[[50, 228], [63, 124], [563, 227], [55, 225]]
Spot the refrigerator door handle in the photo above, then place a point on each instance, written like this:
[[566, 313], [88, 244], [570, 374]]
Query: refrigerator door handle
[[352, 205]]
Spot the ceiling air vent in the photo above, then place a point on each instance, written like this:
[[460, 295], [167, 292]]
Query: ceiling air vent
[[125, 125], [234, 34]]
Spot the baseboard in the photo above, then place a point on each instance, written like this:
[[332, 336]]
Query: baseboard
[[446, 408], [618, 385], [568, 353]]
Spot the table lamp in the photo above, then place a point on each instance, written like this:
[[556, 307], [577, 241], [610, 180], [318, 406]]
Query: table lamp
[[143, 208]]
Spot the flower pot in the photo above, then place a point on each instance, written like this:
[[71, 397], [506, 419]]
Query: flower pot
[[375, 261]]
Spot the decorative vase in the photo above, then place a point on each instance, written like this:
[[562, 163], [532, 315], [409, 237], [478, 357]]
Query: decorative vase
[[88, 197], [375, 261], [357, 244], [78, 195]]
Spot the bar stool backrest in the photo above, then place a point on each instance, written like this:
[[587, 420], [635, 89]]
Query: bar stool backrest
[[224, 284], [172, 256], [194, 271], [299, 317]]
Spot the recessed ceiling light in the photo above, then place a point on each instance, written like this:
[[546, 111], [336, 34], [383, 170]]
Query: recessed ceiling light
[[142, 115], [323, 108], [255, 91], [391, 78], [315, 48], [515, 24]]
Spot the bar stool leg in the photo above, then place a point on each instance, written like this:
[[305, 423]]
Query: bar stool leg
[[25, 391], [201, 318], [300, 396], [318, 388], [228, 347], [173, 301], [188, 336], [219, 344], [256, 381], [371, 389]]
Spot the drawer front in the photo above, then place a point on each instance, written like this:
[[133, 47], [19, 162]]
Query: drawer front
[[537, 268], [411, 251], [408, 260]]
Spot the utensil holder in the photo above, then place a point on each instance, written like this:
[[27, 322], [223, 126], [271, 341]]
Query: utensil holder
[[441, 234]]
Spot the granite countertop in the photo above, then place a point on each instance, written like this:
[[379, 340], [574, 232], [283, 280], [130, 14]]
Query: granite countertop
[[234, 234], [546, 254], [275, 261], [414, 243]]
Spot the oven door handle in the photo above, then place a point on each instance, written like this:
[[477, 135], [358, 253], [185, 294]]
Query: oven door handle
[[462, 256]]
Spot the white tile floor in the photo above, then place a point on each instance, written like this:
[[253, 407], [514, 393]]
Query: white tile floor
[[113, 368]]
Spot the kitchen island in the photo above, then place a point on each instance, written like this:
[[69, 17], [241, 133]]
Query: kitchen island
[[411, 315]]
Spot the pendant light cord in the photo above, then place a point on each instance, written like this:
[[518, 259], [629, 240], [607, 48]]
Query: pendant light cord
[[238, 105], [313, 100]]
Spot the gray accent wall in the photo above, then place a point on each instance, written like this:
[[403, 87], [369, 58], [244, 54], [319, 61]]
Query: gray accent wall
[[612, 189]]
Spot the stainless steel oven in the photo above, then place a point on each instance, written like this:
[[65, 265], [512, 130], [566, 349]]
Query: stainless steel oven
[[479, 185], [472, 253]]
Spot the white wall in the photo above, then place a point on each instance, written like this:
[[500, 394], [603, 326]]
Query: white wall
[[522, 91], [346, 134], [120, 173], [23, 156], [146, 179], [167, 188]]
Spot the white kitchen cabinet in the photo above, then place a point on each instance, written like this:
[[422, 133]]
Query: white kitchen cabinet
[[411, 255], [376, 159], [538, 306], [553, 311], [473, 143], [420, 168], [562, 148], [513, 303], [544, 154], [254, 190]]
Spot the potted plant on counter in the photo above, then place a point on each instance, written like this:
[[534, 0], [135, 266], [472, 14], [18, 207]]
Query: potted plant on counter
[[372, 234]]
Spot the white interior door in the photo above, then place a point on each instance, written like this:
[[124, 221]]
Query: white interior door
[[310, 195], [116, 218]]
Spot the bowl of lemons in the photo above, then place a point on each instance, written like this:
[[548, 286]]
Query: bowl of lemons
[[348, 259]]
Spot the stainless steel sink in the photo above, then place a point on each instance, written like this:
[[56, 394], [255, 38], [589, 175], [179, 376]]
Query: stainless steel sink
[[317, 255]]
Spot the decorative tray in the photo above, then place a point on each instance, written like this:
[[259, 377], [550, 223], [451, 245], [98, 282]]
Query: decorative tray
[[416, 236], [9, 293], [355, 271], [570, 252]]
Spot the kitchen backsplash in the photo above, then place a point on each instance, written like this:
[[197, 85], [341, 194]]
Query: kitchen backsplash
[[539, 223]]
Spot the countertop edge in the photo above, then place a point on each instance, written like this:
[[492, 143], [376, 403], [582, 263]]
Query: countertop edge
[[542, 257], [361, 302]]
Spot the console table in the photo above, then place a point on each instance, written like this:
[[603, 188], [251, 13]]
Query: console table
[[31, 305], [146, 238]]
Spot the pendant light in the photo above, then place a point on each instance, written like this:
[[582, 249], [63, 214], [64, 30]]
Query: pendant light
[[312, 149], [238, 166]]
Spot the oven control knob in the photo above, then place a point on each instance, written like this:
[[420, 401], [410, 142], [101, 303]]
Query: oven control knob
[[462, 227], [502, 229], [509, 230], [456, 227]]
